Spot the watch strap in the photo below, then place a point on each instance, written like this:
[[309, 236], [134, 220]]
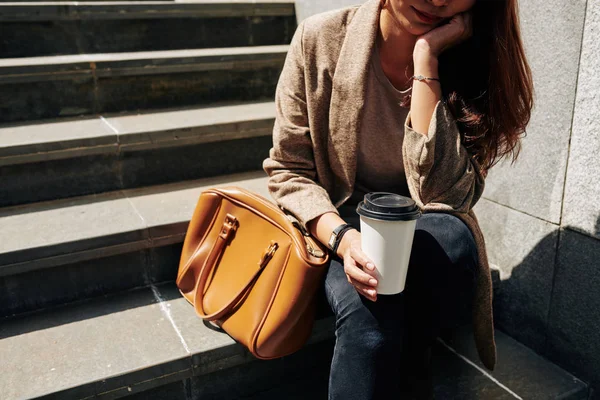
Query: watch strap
[[337, 235]]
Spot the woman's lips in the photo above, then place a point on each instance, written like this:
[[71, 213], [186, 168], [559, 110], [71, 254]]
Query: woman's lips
[[425, 17]]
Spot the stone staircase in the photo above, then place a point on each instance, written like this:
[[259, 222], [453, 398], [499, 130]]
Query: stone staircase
[[114, 117], [66, 28]]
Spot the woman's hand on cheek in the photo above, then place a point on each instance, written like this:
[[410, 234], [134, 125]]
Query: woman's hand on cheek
[[437, 40]]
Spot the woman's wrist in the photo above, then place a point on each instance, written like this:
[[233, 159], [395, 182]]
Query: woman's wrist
[[425, 63], [428, 69], [426, 93], [423, 51], [347, 240]]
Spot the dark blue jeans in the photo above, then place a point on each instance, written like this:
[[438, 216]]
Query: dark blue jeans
[[372, 338]]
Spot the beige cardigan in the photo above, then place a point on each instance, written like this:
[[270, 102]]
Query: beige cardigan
[[312, 165]]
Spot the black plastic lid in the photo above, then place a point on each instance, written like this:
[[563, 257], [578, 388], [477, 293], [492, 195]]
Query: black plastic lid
[[388, 207]]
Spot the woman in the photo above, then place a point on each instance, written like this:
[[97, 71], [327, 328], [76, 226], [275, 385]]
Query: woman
[[416, 97]]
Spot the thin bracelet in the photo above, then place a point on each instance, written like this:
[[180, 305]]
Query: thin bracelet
[[422, 78]]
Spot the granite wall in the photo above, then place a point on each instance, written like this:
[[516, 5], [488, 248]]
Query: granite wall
[[541, 215]]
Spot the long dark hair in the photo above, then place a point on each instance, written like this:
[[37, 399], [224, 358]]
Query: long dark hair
[[487, 83]]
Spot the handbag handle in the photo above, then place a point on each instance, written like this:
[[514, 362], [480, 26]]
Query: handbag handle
[[229, 227]]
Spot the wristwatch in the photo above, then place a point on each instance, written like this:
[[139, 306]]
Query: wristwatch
[[336, 236]]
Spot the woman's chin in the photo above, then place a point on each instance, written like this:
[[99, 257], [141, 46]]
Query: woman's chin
[[419, 29], [414, 27]]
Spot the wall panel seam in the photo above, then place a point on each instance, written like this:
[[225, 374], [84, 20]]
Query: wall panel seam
[[521, 211], [562, 203]]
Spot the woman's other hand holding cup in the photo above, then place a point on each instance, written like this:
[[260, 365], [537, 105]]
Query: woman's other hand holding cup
[[359, 269]]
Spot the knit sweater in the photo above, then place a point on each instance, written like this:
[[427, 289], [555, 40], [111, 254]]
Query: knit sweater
[[320, 101], [380, 167]]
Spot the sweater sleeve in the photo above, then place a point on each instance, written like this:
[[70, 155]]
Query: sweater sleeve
[[441, 174], [291, 165]]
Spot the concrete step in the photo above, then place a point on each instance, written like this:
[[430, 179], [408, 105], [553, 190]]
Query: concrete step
[[59, 28], [67, 250], [65, 86], [48, 161], [520, 372], [117, 346], [149, 344]]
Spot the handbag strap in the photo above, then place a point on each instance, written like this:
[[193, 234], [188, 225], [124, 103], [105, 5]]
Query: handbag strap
[[227, 230]]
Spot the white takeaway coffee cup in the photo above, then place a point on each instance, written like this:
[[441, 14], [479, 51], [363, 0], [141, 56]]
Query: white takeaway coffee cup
[[387, 224]]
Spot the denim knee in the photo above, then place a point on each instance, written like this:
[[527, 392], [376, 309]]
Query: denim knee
[[358, 320], [356, 325], [345, 302], [449, 234]]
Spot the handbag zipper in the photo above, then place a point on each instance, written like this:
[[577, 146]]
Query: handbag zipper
[[314, 252], [312, 249]]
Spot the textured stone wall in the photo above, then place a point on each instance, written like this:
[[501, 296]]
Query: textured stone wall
[[541, 216]]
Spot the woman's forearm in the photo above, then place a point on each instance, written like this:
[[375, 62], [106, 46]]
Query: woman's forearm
[[322, 226], [425, 94]]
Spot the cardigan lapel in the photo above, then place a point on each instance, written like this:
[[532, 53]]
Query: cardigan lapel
[[348, 96]]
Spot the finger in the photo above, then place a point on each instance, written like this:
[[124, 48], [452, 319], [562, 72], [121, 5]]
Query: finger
[[359, 275], [460, 26], [364, 263], [370, 294], [353, 271], [468, 21], [362, 259], [372, 298], [368, 290], [456, 20]]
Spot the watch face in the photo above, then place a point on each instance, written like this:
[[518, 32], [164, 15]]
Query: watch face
[[332, 240]]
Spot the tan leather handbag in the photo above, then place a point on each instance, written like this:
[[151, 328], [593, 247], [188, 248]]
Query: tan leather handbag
[[249, 268]]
